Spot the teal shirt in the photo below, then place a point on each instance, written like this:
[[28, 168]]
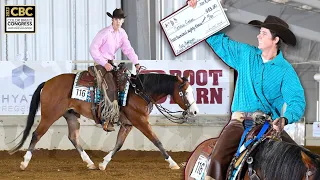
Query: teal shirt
[[261, 86]]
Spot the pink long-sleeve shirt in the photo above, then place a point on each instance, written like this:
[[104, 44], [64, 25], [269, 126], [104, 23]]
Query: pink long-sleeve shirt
[[106, 44]]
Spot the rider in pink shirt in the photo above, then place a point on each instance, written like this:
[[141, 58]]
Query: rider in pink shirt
[[102, 49], [109, 40]]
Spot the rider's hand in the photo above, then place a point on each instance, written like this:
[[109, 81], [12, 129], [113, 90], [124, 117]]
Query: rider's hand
[[108, 67], [276, 124], [192, 3], [137, 67]]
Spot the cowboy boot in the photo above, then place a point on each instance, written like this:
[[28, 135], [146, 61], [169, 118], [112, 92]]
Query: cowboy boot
[[107, 126], [224, 150], [110, 127]]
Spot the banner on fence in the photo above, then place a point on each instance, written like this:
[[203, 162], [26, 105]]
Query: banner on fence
[[212, 82], [19, 80]]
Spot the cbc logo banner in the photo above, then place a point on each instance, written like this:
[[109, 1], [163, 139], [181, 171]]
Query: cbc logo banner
[[20, 19]]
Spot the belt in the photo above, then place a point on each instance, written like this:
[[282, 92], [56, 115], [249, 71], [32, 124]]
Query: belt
[[242, 115], [246, 115], [109, 61]]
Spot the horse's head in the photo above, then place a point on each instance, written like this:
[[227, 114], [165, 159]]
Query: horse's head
[[275, 159], [158, 86], [183, 96]]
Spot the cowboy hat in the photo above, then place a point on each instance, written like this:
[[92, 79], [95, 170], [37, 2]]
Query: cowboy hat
[[117, 13], [278, 26]]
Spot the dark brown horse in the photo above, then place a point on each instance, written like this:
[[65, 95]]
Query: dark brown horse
[[271, 160], [54, 96]]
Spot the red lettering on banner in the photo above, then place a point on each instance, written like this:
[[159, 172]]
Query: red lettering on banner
[[202, 77], [202, 96], [215, 74], [175, 72], [215, 96], [178, 72]]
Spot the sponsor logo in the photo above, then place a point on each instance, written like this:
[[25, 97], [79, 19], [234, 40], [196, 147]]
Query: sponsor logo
[[23, 76], [20, 19]]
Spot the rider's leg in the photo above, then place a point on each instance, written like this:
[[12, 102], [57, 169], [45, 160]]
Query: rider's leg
[[108, 89], [113, 97], [225, 148]]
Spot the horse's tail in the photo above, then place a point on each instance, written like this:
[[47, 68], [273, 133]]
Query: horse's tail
[[34, 105]]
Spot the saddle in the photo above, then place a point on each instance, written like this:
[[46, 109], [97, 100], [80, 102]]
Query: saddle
[[238, 163], [88, 79]]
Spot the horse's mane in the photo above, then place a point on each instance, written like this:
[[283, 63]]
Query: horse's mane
[[282, 160], [157, 83]]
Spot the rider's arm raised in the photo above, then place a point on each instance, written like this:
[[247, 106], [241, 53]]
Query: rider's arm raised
[[127, 48], [293, 95], [230, 51]]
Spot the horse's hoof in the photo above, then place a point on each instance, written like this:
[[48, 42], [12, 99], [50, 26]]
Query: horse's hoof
[[91, 166], [175, 167], [102, 167], [23, 166]]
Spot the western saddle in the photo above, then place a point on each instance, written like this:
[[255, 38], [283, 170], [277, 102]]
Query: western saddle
[[88, 79]]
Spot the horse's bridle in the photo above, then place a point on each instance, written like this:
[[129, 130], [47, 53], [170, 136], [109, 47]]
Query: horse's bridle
[[168, 115], [309, 174], [182, 94], [164, 110]]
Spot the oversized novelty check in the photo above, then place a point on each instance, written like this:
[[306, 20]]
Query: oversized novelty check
[[189, 26]]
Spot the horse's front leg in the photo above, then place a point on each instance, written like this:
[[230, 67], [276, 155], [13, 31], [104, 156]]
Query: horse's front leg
[[122, 135], [145, 128]]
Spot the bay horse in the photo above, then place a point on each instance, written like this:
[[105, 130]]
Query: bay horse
[[272, 159], [54, 96]]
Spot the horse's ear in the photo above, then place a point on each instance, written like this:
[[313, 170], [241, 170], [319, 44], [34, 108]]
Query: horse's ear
[[307, 160], [187, 74], [179, 78]]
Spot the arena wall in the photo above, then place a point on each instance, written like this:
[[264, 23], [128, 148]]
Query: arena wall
[[173, 136]]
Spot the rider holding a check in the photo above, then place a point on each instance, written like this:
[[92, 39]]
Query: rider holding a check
[[266, 80], [103, 48]]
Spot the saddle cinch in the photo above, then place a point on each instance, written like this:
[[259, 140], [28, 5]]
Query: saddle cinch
[[88, 79]]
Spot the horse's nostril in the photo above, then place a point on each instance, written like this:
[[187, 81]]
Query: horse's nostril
[[195, 112]]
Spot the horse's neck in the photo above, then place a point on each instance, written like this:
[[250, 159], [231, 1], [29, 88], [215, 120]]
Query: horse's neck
[[158, 86], [158, 97]]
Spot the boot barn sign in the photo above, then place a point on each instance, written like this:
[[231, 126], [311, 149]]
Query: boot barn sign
[[212, 82]]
